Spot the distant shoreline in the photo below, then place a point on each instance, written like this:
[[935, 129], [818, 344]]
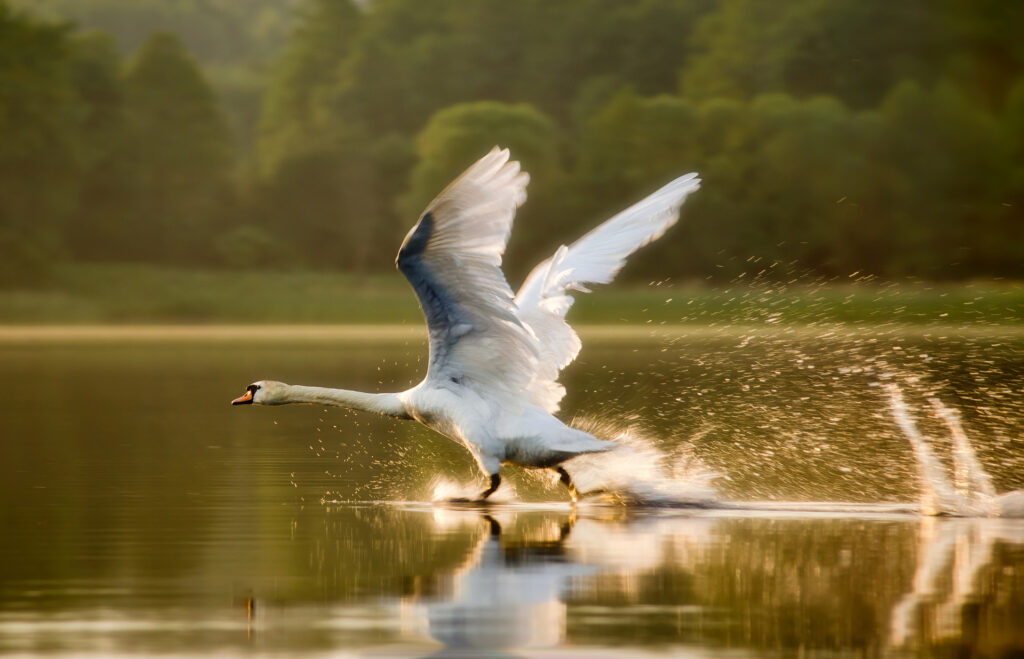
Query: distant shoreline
[[97, 334], [148, 295]]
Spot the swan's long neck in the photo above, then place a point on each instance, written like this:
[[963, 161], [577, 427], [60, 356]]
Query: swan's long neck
[[388, 404]]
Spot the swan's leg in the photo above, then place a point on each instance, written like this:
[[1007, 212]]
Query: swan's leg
[[495, 482], [495, 527], [566, 479]]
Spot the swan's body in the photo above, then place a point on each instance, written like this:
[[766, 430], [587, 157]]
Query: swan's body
[[492, 379]]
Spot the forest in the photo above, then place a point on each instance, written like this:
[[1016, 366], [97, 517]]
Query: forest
[[834, 137]]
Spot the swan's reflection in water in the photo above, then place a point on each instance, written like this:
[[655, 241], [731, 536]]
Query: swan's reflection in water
[[743, 583], [417, 580], [510, 594]]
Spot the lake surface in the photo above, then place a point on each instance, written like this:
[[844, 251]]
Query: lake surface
[[144, 515]]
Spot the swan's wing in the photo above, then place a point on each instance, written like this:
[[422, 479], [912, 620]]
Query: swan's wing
[[596, 258], [452, 258]]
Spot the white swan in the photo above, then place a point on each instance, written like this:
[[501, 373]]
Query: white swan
[[491, 382]]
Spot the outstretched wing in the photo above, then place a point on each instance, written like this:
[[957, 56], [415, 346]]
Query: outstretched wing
[[452, 258], [596, 258]]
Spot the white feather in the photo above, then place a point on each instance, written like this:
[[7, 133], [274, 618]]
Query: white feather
[[481, 340], [543, 300], [491, 383]]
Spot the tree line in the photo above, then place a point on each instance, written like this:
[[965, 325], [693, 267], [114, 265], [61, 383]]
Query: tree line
[[833, 136]]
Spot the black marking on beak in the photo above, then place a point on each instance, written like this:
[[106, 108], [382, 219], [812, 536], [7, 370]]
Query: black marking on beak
[[246, 398]]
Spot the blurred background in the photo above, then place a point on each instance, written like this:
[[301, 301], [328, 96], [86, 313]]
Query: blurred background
[[175, 144]]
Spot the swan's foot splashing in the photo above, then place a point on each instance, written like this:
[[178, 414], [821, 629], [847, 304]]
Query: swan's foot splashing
[[636, 473], [444, 490], [491, 489]]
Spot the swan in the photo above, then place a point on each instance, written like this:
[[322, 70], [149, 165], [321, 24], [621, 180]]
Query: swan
[[492, 376]]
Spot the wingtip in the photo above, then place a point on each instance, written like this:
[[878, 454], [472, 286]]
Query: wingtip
[[686, 183], [692, 177], [499, 154]]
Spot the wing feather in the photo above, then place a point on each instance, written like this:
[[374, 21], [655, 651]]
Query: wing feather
[[452, 258], [544, 298]]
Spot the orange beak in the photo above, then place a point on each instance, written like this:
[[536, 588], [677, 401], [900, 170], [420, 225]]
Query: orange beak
[[244, 399]]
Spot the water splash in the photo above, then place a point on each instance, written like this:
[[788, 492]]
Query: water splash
[[637, 473], [443, 488], [969, 478], [971, 494]]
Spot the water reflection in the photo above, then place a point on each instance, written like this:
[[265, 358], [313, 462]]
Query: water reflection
[[546, 579], [415, 580], [143, 524], [510, 594], [953, 599]]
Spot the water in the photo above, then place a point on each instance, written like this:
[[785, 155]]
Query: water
[[143, 514]]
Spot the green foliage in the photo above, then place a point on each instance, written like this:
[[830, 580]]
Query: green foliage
[[25, 264], [460, 134], [846, 48], [96, 229], [938, 140], [632, 143], [249, 247], [835, 135], [215, 30], [179, 151], [234, 39], [986, 53], [411, 59], [39, 156], [293, 120], [322, 203], [918, 188], [773, 170]]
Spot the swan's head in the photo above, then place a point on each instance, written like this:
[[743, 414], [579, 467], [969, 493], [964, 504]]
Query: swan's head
[[264, 392]]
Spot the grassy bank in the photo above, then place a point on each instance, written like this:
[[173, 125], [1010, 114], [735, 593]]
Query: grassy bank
[[123, 294]]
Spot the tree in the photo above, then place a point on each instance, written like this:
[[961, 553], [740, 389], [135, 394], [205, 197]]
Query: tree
[[630, 147], [985, 54], [327, 205], [234, 40], [850, 49], [38, 148], [457, 136], [180, 153], [96, 231], [774, 169], [953, 165], [294, 118]]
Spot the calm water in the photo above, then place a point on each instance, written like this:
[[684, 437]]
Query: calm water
[[143, 514]]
